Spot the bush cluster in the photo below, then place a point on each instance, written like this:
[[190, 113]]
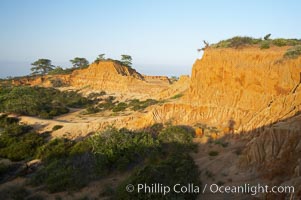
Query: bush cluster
[[238, 41], [136, 104], [118, 148], [293, 52], [109, 104], [175, 169], [68, 165], [159, 153], [18, 142], [39, 101]]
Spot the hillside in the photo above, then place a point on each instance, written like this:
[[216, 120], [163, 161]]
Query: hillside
[[236, 120]]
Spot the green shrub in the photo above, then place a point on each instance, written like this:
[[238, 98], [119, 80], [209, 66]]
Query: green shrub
[[91, 110], [176, 169], [5, 120], [57, 127], [237, 42], [154, 129], [293, 52], [120, 107], [57, 82], [94, 95], [17, 142], [80, 147], [177, 96], [117, 148], [55, 111], [136, 104], [70, 173], [108, 104], [38, 101], [176, 134], [280, 42], [16, 130], [56, 148], [67, 165], [60, 70], [70, 165], [265, 45]]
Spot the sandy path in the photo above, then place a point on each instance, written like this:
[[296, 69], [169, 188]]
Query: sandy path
[[76, 125]]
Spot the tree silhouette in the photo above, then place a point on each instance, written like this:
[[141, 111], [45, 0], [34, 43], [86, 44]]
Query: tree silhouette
[[100, 58], [79, 62], [267, 36], [41, 66], [126, 60], [206, 46]]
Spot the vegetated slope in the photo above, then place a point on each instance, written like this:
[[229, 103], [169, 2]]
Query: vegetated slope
[[248, 86], [68, 169]]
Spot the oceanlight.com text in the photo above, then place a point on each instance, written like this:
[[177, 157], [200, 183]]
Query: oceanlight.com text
[[158, 188]]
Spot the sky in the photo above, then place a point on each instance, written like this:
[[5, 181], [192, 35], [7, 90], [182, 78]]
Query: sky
[[162, 36]]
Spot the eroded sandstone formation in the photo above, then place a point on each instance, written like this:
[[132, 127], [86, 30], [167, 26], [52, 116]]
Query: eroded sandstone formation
[[116, 78], [110, 76], [248, 86]]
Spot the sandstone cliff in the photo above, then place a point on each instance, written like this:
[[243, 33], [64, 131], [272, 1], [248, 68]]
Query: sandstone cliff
[[116, 78], [248, 86], [252, 86]]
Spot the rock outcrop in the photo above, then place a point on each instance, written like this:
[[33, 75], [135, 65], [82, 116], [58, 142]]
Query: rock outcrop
[[116, 78], [249, 86]]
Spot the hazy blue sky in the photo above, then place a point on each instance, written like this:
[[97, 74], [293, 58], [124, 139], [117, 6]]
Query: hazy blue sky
[[161, 35]]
